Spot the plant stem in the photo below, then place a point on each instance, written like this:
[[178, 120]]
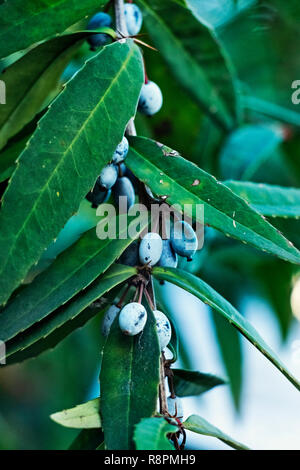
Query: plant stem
[[120, 17], [149, 299], [122, 28], [120, 303], [162, 389], [141, 293]]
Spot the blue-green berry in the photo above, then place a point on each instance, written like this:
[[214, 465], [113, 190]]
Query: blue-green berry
[[99, 20], [150, 249], [108, 319], [124, 189], [169, 258], [151, 99], [184, 240], [163, 329], [132, 318], [108, 176], [121, 151], [133, 18]]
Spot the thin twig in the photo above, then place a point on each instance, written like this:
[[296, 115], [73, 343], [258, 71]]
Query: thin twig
[[153, 293], [149, 299], [162, 388], [122, 27], [141, 293], [123, 296]]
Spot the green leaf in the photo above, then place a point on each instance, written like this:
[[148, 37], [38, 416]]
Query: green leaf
[[204, 292], [129, 381], [247, 148], [75, 269], [74, 140], [216, 13], [14, 148], [151, 434], [229, 344], [200, 426], [25, 23], [54, 328], [189, 383], [81, 416], [269, 200], [275, 281], [271, 110], [30, 80], [87, 439], [168, 174], [195, 58]]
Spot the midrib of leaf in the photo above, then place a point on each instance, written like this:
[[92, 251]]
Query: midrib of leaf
[[33, 85], [195, 66], [64, 154], [192, 195]]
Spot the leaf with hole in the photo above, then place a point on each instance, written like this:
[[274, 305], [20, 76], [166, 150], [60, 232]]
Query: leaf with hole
[[183, 183]]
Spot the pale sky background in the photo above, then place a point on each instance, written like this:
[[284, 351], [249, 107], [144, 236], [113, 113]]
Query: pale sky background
[[270, 412]]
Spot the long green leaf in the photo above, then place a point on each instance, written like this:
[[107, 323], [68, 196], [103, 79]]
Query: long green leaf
[[189, 383], [74, 270], [271, 110], [230, 347], [84, 416], [168, 174], [195, 57], [88, 439], [74, 140], [247, 148], [151, 434], [199, 425], [217, 13], [129, 381], [204, 292], [14, 147], [47, 333], [30, 80], [24, 23], [269, 200]]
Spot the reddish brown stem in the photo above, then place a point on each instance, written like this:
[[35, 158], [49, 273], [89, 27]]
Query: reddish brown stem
[[123, 296]]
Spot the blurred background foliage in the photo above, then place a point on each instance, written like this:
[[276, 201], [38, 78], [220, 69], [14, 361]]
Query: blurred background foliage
[[262, 39]]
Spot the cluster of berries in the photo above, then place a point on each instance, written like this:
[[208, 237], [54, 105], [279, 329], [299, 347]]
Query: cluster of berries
[[151, 98], [114, 179], [152, 250], [132, 320]]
